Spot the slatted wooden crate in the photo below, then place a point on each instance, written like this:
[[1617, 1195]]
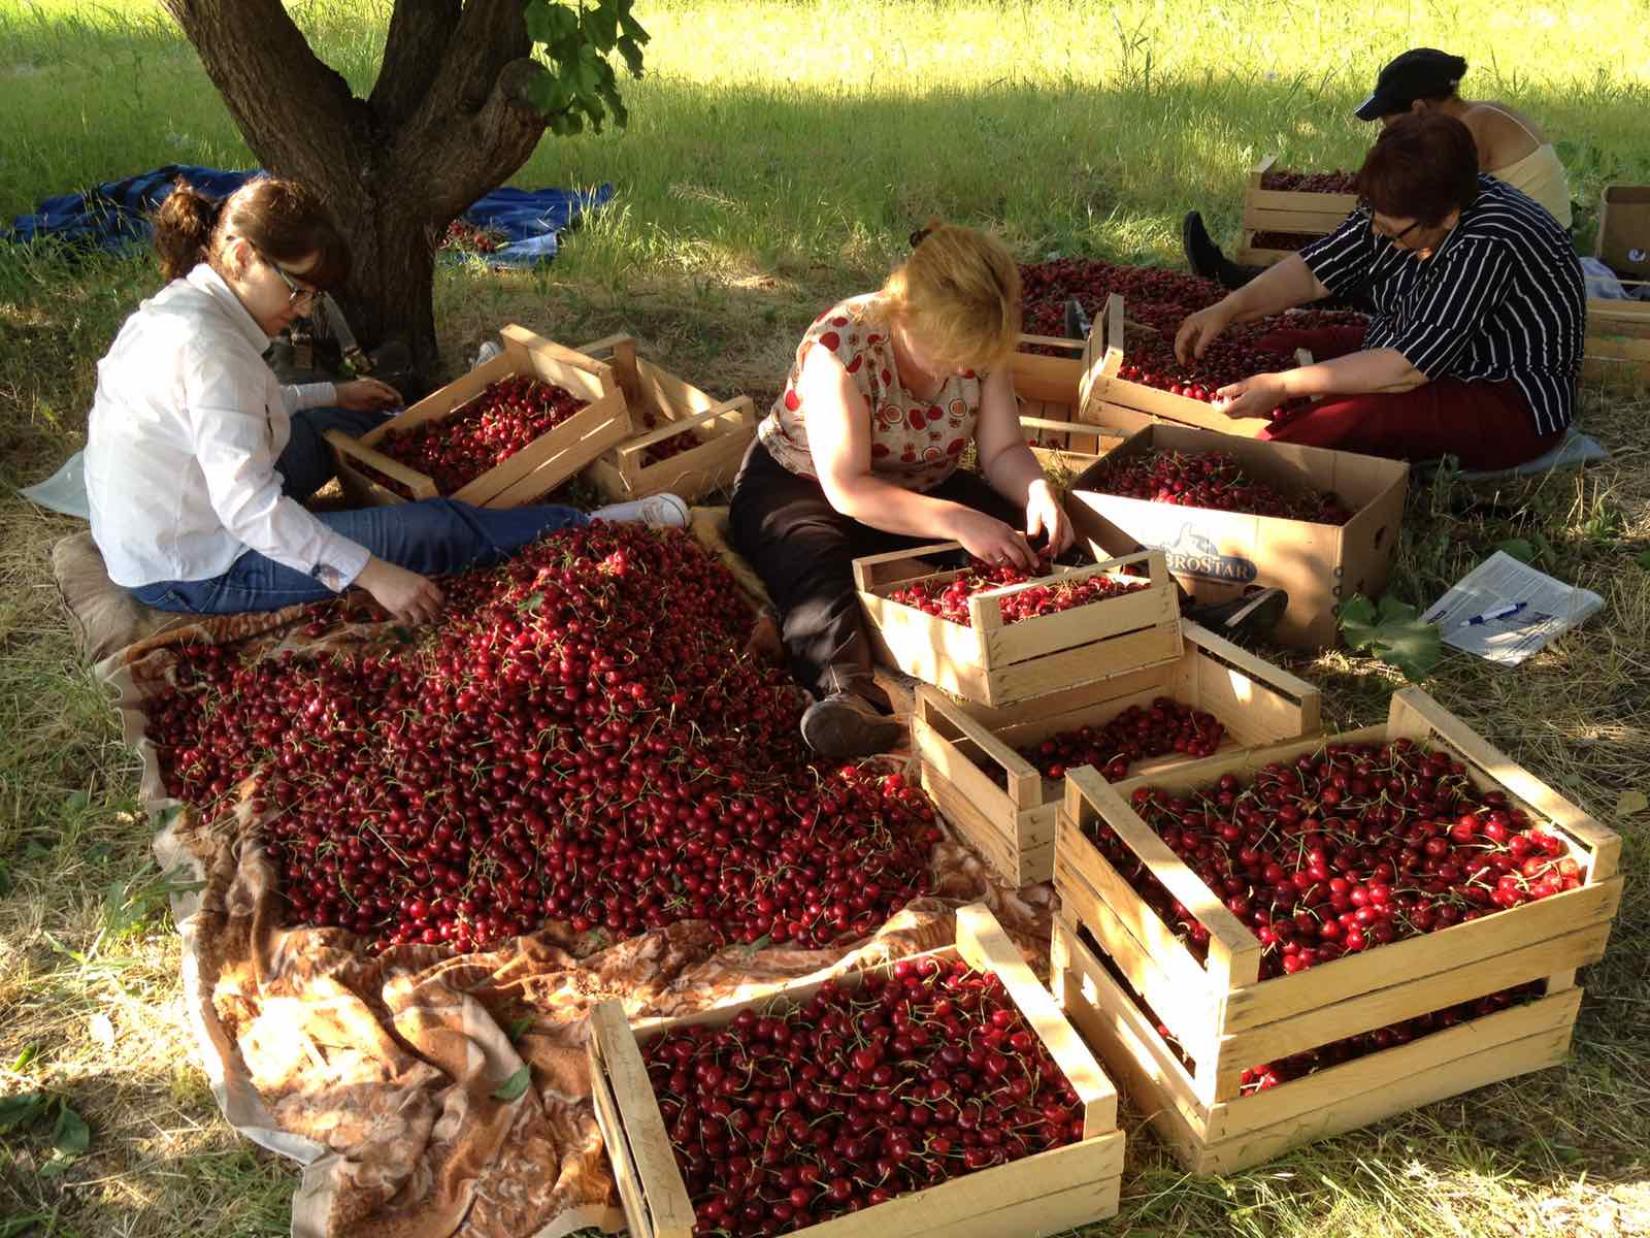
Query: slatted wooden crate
[[996, 663], [1049, 389], [1042, 1194], [1126, 405], [1239, 1134], [1617, 347], [533, 471], [665, 411], [962, 746], [1292, 212], [1226, 1019]]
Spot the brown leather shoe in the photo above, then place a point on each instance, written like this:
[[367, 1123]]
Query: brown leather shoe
[[845, 724]]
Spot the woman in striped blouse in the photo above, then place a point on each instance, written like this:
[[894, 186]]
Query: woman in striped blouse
[[1474, 346]]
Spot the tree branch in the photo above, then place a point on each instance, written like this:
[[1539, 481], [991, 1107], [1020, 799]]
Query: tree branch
[[296, 113], [419, 35], [490, 34], [476, 152]]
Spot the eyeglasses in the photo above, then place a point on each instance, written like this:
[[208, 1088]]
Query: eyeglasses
[[296, 293], [1394, 237]]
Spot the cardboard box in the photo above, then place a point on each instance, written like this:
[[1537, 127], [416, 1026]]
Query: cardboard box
[[1624, 230], [1216, 554]]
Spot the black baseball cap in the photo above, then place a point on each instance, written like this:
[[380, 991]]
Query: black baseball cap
[[1420, 73]]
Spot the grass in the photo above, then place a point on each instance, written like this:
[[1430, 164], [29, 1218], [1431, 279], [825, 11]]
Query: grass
[[778, 155]]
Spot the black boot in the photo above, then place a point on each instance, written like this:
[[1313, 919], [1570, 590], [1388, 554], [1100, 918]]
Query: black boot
[[1205, 258], [1243, 619]]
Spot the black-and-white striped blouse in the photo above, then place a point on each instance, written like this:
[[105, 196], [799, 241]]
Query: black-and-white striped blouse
[[1501, 298]]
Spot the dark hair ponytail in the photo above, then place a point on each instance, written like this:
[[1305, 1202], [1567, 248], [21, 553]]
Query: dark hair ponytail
[[183, 229], [282, 219]]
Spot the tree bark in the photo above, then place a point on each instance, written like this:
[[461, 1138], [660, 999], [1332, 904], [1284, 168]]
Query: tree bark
[[447, 120]]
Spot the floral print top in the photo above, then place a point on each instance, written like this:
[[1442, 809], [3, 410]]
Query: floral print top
[[915, 444]]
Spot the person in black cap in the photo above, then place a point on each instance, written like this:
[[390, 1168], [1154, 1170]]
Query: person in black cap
[[1510, 147]]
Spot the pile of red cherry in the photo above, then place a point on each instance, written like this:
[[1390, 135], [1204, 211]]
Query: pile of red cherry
[[1138, 733], [455, 450], [1211, 479], [467, 238], [1345, 850], [1155, 303], [780, 1121], [561, 747], [947, 597], [1337, 181]]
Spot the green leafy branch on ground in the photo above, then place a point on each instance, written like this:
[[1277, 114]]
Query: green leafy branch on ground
[[33, 1112], [1394, 632]]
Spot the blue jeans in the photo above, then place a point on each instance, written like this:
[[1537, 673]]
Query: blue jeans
[[433, 537]]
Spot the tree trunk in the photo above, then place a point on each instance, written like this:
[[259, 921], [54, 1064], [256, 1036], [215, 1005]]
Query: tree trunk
[[449, 119]]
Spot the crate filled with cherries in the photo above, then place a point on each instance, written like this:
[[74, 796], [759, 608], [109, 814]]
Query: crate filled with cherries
[[996, 633], [1273, 909], [508, 432], [939, 1094]]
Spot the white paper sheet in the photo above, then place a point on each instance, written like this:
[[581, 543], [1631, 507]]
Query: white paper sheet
[[1504, 610]]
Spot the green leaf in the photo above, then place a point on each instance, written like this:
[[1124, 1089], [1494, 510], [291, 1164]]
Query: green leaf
[[22, 1109], [531, 603], [25, 1059], [515, 1087], [1394, 633], [520, 1027], [1643, 560], [71, 1137], [15, 1226], [1519, 548], [602, 24]]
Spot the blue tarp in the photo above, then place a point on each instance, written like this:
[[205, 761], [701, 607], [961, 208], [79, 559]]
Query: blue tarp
[[113, 215]]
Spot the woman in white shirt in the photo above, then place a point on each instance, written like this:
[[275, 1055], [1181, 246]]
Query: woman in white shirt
[[197, 459]]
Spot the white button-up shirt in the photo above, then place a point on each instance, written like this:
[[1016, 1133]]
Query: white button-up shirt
[[186, 428]]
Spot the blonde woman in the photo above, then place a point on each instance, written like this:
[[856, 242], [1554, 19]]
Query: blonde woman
[[861, 452]]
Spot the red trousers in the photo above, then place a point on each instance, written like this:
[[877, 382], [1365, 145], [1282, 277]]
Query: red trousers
[[1485, 425]]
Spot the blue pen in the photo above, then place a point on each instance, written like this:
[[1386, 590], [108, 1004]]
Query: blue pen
[[1498, 612]]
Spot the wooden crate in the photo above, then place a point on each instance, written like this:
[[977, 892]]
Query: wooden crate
[[1042, 1194], [1234, 1135], [1225, 1017], [1127, 406], [1049, 389], [1296, 211], [996, 663], [1617, 347], [720, 429], [533, 471], [1216, 555], [1013, 825]]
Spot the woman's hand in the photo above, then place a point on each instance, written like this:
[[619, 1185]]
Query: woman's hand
[[405, 594], [991, 541], [1199, 330], [1256, 396], [1045, 515], [363, 395]]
